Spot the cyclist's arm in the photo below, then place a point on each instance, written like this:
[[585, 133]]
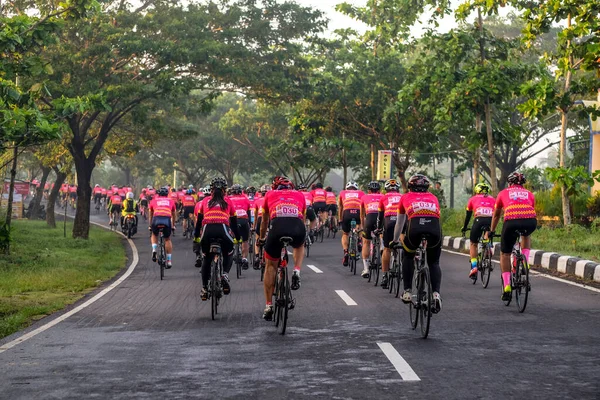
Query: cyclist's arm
[[362, 214], [380, 219], [340, 209], [399, 226], [467, 219], [265, 221], [496, 218], [199, 219], [233, 223]]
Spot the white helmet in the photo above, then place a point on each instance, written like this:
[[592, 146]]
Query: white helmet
[[206, 190], [130, 195], [351, 185], [97, 185]]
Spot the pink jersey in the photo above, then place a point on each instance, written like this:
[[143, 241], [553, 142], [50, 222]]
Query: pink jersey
[[319, 196], [258, 206], [104, 192], [97, 190], [188, 200], [351, 199], [162, 207], [121, 192], [419, 204], [517, 202], [241, 204], [370, 202], [285, 204], [173, 196], [215, 214], [64, 188], [309, 199], [331, 199], [116, 200], [389, 204], [482, 205], [73, 189]]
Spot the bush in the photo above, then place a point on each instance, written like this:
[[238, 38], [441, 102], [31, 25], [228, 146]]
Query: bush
[[549, 204], [593, 205]]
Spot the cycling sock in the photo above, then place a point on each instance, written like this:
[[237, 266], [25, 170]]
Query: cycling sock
[[154, 246], [506, 278], [269, 303], [526, 254], [297, 270], [473, 263], [168, 257], [365, 263]]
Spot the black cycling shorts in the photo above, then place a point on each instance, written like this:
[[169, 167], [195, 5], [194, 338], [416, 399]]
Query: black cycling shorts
[[320, 207], [347, 218], [144, 202], [257, 225], [97, 196], [509, 232], [244, 228], [477, 228], [280, 227], [115, 208], [310, 214], [164, 221], [333, 208], [73, 195], [389, 224], [216, 233], [188, 211], [370, 225], [419, 226]]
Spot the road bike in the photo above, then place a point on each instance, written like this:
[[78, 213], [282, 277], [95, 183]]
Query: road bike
[[375, 258], [162, 253], [283, 300], [422, 298], [331, 226], [353, 247], [320, 232], [215, 287], [395, 272], [519, 276], [114, 221], [189, 231], [237, 257], [261, 260], [484, 258], [307, 241]]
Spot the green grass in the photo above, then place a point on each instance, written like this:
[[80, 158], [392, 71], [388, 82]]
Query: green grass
[[46, 272], [575, 240]]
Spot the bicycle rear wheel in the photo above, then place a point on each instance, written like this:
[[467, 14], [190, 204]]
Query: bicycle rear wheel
[[284, 302], [522, 287], [214, 303], [426, 299], [321, 234], [415, 304], [486, 263]]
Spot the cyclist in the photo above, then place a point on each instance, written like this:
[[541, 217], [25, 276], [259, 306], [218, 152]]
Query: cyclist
[[482, 205], [251, 194], [311, 216], [284, 211], [332, 207], [369, 211], [143, 202], [241, 204], [103, 195], [162, 212], [320, 202], [115, 204], [73, 194], [216, 221], [97, 192], [422, 210], [151, 192], [518, 204], [258, 211], [121, 192], [349, 209], [388, 214], [130, 207], [188, 203]]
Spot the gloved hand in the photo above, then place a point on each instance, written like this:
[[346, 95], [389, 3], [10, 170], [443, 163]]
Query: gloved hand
[[463, 230], [261, 242]]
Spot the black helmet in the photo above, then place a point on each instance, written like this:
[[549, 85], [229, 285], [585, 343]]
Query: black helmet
[[418, 183], [374, 186], [163, 191], [302, 186], [516, 178], [251, 190], [328, 189], [236, 189], [319, 185], [218, 183]]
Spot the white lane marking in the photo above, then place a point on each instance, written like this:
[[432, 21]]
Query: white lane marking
[[97, 297], [543, 275], [317, 270], [346, 298], [405, 371]]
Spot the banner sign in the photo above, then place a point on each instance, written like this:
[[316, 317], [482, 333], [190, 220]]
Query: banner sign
[[21, 188], [384, 165]]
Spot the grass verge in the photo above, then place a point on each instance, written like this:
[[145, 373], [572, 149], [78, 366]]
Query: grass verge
[[46, 272], [575, 241]]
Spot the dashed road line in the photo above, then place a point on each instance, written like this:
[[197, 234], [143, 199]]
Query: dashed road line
[[405, 371], [347, 299], [317, 270]]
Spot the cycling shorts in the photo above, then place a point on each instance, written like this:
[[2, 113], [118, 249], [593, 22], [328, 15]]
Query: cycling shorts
[[144, 202], [310, 214], [333, 208], [280, 227], [347, 217], [320, 207], [157, 221], [73, 195], [370, 225], [216, 232], [97, 196], [419, 226], [188, 211], [509, 232], [477, 228], [244, 228], [389, 224], [116, 208]]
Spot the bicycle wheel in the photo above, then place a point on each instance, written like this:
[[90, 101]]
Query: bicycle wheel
[[213, 290], [321, 234], [238, 261], [426, 298], [486, 264], [391, 278], [277, 297], [284, 296], [522, 286], [415, 304]]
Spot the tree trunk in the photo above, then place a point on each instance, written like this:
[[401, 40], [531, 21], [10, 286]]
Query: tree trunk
[[60, 178], [13, 174], [39, 194], [491, 147], [563, 139], [81, 225]]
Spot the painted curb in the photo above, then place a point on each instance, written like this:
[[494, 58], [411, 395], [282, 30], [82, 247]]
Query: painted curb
[[549, 260]]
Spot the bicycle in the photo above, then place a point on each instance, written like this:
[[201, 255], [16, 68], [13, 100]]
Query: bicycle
[[519, 277], [129, 226], [97, 206], [375, 258], [261, 261], [189, 232], [215, 288], [330, 224], [395, 272], [484, 258], [320, 232], [353, 247], [237, 258], [162, 253], [283, 294], [307, 242], [114, 222], [422, 301]]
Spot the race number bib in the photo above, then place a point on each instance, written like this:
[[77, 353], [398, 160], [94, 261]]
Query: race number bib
[[518, 195], [424, 206], [287, 211], [241, 213], [372, 207], [484, 212]]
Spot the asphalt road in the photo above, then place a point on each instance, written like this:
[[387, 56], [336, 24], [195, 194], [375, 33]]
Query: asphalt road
[[153, 339]]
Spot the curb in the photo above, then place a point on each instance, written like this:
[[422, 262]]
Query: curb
[[549, 260]]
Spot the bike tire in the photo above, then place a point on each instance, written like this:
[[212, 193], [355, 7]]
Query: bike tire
[[238, 268], [398, 273], [522, 286], [485, 272], [285, 303], [321, 234], [427, 303], [213, 291]]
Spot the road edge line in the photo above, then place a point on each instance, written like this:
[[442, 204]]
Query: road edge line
[[399, 363]]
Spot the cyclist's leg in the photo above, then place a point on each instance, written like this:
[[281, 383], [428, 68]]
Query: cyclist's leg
[[528, 228], [244, 227], [410, 243], [272, 253], [388, 236], [434, 250], [508, 239]]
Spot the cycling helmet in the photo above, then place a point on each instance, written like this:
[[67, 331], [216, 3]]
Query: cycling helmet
[[352, 185], [391, 185], [282, 182], [130, 195], [328, 189], [374, 186], [236, 189], [173, 189], [163, 191], [313, 186], [516, 178], [318, 185], [97, 185], [265, 188], [218, 183], [302, 186], [418, 183], [206, 190], [482, 188], [190, 186], [144, 190], [251, 190]]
